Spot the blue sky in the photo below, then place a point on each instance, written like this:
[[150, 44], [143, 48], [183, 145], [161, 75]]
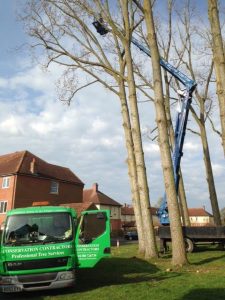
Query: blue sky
[[86, 138], [11, 34]]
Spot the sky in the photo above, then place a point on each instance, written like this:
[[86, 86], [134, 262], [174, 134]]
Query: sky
[[86, 136]]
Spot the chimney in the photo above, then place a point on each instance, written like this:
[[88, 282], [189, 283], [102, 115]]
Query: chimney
[[95, 187], [33, 166]]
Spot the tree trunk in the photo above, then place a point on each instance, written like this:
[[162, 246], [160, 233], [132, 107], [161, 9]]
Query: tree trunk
[[179, 254], [207, 160], [219, 61], [181, 190], [209, 176], [150, 241], [132, 168]]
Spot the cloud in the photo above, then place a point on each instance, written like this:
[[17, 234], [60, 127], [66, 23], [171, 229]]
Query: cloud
[[218, 170], [192, 146], [98, 125], [88, 137], [151, 148]]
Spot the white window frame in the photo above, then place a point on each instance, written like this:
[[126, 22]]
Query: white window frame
[[54, 188], [5, 182], [3, 206]]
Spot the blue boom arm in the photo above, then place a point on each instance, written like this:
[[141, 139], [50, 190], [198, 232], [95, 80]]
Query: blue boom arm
[[181, 118], [189, 83], [181, 124]]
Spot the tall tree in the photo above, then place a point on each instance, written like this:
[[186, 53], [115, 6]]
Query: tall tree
[[125, 38], [165, 44], [178, 247], [60, 28], [219, 60], [202, 96]]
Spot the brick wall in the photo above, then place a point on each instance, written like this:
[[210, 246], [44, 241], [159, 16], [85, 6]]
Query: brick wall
[[30, 189], [34, 189], [6, 194]]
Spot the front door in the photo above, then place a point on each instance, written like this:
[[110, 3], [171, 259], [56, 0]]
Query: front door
[[92, 237]]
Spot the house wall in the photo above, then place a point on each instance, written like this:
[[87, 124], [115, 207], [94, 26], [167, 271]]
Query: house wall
[[201, 221], [115, 217], [115, 211], [6, 194], [31, 189], [131, 218], [127, 218]]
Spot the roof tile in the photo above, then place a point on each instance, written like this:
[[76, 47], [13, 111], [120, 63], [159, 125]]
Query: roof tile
[[198, 212], [20, 163], [97, 197]]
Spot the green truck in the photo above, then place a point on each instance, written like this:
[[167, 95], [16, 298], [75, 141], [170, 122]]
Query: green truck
[[42, 247]]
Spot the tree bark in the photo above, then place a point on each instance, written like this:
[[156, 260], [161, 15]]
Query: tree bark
[[209, 176], [219, 61], [181, 190], [207, 161], [150, 241], [132, 168], [179, 254]]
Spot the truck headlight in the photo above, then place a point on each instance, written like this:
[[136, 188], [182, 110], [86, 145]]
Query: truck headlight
[[7, 280], [66, 276]]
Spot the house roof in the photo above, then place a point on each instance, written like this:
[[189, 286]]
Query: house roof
[[198, 212], [129, 210], [97, 197], [24, 162], [79, 207]]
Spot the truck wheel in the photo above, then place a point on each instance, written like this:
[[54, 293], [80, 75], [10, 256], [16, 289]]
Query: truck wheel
[[189, 245]]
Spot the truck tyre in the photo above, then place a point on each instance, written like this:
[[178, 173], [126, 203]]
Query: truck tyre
[[189, 245]]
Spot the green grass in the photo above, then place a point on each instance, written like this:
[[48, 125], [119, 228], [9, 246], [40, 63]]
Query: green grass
[[127, 276]]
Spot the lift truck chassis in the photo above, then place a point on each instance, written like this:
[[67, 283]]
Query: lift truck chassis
[[193, 235]]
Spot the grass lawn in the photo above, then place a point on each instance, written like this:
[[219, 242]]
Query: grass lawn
[[127, 276]]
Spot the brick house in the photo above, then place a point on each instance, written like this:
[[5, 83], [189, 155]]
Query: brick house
[[27, 180], [200, 217], [102, 201], [128, 218], [128, 221]]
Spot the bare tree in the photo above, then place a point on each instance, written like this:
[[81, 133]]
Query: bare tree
[[219, 60], [165, 44], [205, 103], [125, 38], [179, 254], [60, 28]]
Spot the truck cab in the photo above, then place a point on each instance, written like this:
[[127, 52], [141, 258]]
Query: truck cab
[[42, 247]]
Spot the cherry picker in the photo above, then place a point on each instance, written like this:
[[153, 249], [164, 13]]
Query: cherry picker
[[181, 118], [215, 234]]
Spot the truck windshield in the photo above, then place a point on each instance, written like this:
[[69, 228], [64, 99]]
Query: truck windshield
[[38, 228]]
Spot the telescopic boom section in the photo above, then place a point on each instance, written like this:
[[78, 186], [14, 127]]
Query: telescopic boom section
[[181, 118], [189, 84]]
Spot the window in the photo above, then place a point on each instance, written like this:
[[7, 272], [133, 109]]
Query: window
[[3, 207], [92, 226], [54, 187], [5, 182]]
